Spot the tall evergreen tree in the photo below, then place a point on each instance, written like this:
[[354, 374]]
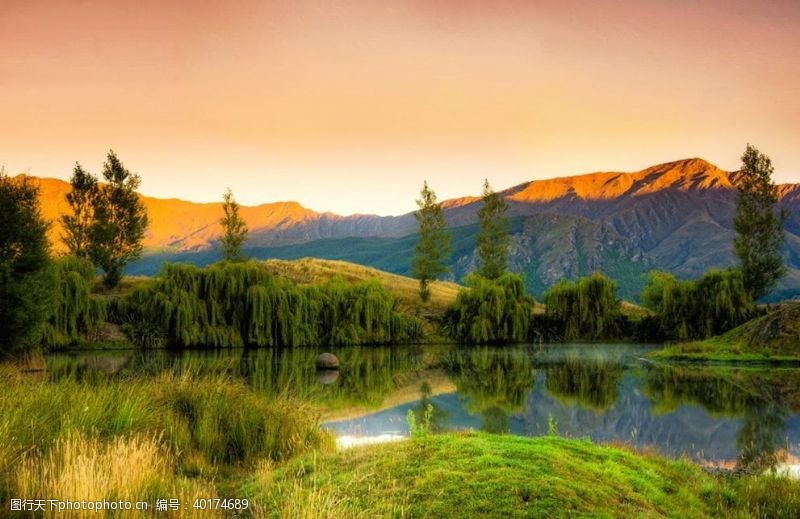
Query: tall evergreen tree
[[433, 248], [234, 228], [758, 225], [81, 200], [492, 240], [120, 221], [25, 275]]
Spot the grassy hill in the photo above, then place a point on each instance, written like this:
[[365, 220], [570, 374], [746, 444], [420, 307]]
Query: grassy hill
[[405, 290], [774, 336], [486, 475]]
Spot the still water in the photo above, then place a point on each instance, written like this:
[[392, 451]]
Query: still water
[[726, 417]]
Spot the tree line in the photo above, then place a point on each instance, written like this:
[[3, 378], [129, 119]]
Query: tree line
[[494, 307], [49, 299], [104, 230]]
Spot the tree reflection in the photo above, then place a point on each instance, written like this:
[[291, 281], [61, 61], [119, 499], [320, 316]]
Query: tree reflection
[[494, 382], [592, 382], [762, 398]]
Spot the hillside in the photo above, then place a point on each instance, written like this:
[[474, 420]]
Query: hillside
[[405, 290], [675, 216], [774, 336]]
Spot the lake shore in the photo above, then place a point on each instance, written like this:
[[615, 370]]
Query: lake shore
[[486, 475]]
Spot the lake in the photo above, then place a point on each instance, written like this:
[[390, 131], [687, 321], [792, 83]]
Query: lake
[[720, 416]]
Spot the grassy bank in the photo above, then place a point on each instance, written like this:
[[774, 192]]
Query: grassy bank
[[773, 337], [141, 438], [484, 475]]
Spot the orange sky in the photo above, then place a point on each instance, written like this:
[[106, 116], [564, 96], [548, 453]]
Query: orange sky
[[349, 107]]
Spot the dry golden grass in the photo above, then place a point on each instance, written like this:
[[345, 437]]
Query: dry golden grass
[[404, 289], [134, 468]]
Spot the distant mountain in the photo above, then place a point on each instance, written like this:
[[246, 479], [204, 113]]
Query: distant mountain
[[675, 216]]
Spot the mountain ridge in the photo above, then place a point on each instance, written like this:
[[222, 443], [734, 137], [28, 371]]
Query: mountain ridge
[[676, 216]]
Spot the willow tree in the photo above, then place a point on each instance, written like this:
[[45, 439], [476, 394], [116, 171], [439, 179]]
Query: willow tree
[[78, 223], [758, 224], [234, 228], [696, 309], [492, 240], [120, 221], [490, 311], [25, 274], [241, 303], [76, 312], [585, 309], [433, 248]]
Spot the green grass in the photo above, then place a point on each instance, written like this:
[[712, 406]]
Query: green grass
[[771, 338], [484, 475], [204, 425]]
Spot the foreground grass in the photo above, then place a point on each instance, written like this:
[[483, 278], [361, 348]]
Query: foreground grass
[[483, 475], [141, 438], [773, 337]]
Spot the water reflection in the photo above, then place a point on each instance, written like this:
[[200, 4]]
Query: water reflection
[[743, 418]]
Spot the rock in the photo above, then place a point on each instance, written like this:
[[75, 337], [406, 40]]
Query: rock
[[327, 361]]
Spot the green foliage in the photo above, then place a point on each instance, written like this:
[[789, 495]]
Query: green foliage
[[236, 304], [758, 226], [713, 304], [432, 251], [78, 224], [552, 426], [25, 274], [120, 221], [492, 241], [420, 431], [490, 311], [234, 229], [76, 313], [584, 309]]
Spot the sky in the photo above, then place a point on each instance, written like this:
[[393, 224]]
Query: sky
[[348, 106]]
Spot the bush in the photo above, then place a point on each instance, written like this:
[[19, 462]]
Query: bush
[[490, 311], [587, 308], [237, 304], [698, 309]]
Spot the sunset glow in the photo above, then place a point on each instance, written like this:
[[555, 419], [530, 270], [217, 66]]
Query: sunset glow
[[349, 108]]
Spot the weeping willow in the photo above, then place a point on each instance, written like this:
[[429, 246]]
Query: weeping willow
[[76, 312], [698, 309], [238, 304], [490, 311], [584, 309]]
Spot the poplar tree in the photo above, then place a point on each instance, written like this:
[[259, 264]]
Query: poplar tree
[[433, 248], [234, 228], [758, 225], [120, 221], [25, 275], [492, 240], [78, 224]]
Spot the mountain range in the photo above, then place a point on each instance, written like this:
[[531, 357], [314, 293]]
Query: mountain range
[[675, 216]]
